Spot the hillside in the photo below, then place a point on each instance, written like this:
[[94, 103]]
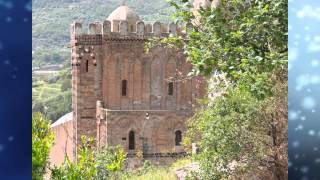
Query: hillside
[[51, 20]]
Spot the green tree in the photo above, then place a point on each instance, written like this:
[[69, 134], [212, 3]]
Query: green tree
[[42, 141], [84, 168], [111, 161], [91, 164], [240, 133], [244, 128], [65, 85], [247, 40], [57, 106]]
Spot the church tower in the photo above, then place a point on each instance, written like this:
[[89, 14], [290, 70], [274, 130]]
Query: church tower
[[122, 95]]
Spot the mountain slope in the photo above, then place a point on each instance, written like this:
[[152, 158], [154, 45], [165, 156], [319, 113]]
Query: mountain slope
[[52, 18]]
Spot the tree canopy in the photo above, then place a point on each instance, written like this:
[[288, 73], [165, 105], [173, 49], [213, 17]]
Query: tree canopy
[[242, 131]]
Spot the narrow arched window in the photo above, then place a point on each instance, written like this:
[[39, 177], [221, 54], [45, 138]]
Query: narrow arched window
[[87, 65], [124, 87], [178, 138], [131, 140], [170, 88], [131, 28]]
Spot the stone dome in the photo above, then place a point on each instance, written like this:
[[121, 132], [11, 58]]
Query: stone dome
[[124, 13]]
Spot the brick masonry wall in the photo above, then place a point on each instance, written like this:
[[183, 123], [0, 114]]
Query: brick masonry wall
[[155, 134], [109, 53], [99, 64]]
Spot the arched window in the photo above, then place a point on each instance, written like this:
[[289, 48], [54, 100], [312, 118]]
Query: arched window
[[170, 88], [131, 140], [87, 65], [124, 87], [118, 27], [178, 138], [131, 28]]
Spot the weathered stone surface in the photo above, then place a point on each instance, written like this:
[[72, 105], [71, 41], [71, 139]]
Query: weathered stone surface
[[113, 53]]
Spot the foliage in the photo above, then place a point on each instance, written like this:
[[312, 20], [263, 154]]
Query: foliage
[[111, 161], [42, 141], [66, 85], [247, 40], [243, 129], [159, 173], [180, 163], [52, 18], [150, 172], [225, 134], [91, 164], [52, 94], [85, 168], [49, 56], [240, 133]]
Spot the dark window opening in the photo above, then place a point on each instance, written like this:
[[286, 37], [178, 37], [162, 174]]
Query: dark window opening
[[131, 28], [87, 66], [170, 88], [131, 140], [124, 88], [178, 138]]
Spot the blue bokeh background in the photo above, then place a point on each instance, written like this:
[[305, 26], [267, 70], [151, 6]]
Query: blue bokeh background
[[304, 89], [15, 89]]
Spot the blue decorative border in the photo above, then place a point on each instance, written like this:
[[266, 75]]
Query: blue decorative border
[[15, 89], [304, 89]]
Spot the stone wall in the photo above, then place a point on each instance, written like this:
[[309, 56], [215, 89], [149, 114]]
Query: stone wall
[[63, 143], [111, 53], [154, 130], [148, 76], [86, 57], [116, 29]]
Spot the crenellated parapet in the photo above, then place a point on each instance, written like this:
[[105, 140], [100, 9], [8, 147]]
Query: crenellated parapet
[[97, 31]]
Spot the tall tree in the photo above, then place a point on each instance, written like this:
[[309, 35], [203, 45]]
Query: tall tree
[[245, 130]]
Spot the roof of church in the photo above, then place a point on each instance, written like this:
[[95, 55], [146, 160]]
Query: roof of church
[[123, 13], [65, 118]]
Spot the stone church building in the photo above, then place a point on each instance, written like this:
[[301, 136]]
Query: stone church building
[[122, 95]]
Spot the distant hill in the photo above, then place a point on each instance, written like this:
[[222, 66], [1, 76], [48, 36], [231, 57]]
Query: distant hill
[[51, 20]]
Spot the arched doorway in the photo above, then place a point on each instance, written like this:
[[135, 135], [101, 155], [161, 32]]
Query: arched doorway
[[178, 138]]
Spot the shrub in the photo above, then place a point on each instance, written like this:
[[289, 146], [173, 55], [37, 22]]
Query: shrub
[[42, 141]]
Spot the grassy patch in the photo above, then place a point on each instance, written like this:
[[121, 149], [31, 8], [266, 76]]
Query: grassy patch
[[150, 172], [157, 173]]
